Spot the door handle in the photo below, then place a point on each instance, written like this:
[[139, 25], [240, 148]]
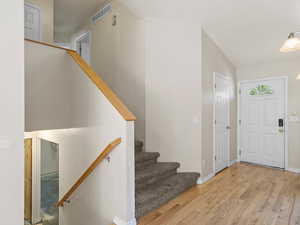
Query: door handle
[[280, 123], [228, 127]]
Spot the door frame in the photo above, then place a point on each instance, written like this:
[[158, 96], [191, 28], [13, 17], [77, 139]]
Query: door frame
[[285, 79], [28, 162], [36, 137], [36, 180], [40, 18], [82, 36], [215, 74]]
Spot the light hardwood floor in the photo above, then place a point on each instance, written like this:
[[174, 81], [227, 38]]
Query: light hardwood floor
[[243, 194]]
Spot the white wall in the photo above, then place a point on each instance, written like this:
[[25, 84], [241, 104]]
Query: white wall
[[173, 92], [291, 69], [12, 113], [214, 60], [47, 88], [91, 124], [118, 56]]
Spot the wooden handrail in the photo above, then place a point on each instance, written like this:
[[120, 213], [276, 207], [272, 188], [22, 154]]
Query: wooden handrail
[[95, 78], [108, 93], [49, 45], [93, 166]]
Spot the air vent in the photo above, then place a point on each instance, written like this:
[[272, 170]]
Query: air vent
[[101, 13]]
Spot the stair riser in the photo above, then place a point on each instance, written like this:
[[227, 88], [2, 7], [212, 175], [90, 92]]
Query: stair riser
[[139, 147], [156, 203], [186, 185], [141, 184], [145, 164]]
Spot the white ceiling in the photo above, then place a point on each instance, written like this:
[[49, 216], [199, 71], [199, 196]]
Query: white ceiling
[[248, 31]]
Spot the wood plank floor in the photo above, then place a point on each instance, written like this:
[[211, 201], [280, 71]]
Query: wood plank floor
[[243, 194]]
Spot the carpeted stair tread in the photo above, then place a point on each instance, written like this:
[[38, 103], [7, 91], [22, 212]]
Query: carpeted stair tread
[[156, 190], [157, 182], [157, 194], [146, 156], [145, 159], [154, 173]]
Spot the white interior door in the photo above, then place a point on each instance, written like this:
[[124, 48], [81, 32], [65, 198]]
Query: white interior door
[[222, 122], [32, 22], [262, 123], [83, 46]]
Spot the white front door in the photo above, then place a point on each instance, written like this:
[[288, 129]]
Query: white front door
[[222, 122], [262, 121], [32, 22]]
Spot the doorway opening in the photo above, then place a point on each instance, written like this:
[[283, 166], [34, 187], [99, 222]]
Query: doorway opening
[[263, 122], [83, 46]]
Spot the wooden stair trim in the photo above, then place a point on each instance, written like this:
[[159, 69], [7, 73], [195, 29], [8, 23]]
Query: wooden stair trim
[[103, 87], [92, 167]]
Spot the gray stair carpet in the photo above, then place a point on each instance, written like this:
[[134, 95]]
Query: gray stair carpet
[[157, 182], [139, 145], [145, 159]]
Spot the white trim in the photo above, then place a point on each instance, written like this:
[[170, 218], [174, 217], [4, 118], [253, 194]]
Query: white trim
[[286, 141], [285, 79], [118, 221], [214, 119], [232, 162], [238, 130], [294, 170], [81, 36], [264, 79], [203, 180], [40, 18], [214, 125]]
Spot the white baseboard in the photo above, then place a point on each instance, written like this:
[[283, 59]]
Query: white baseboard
[[232, 162], [294, 170], [118, 221], [202, 180]]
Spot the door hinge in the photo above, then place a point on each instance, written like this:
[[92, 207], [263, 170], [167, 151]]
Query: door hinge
[[240, 122], [215, 86], [215, 121], [240, 91], [240, 152], [215, 158]]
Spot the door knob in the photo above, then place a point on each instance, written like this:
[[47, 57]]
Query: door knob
[[228, 127]]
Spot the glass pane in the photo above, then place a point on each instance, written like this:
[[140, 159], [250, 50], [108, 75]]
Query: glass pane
[[261, 90], [49, 182]]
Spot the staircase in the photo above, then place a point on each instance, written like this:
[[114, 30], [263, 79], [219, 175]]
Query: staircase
[[157, 182]]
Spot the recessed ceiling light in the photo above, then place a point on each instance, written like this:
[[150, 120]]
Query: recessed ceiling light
[[298, 77], [291, 44]]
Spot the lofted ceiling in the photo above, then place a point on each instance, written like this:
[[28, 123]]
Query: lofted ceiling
[[70, 14], [248, 31]]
